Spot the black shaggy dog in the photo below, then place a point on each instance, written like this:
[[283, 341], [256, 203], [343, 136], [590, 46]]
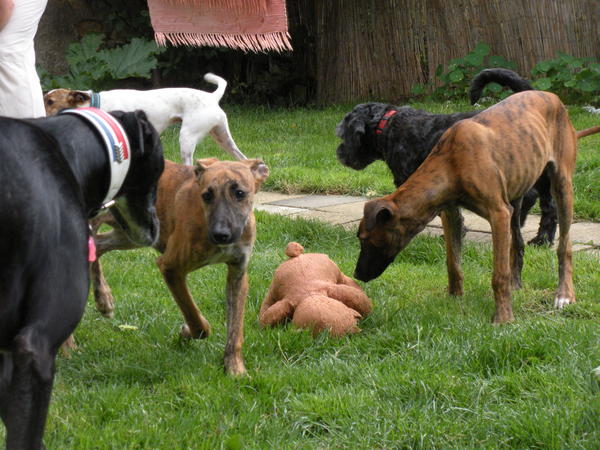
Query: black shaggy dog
[[403, 137]]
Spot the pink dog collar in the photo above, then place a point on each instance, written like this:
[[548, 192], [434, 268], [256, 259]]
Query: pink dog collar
[[116, 143]]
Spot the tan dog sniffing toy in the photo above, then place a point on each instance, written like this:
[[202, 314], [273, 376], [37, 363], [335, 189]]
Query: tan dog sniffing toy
[[311, 290]]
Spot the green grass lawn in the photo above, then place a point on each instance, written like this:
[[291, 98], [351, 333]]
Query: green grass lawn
[[299, 146], [427, 371]]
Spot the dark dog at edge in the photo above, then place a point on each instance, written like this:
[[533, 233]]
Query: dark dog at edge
[[55, 175], [403, 137], [206, 217], [485, 164]]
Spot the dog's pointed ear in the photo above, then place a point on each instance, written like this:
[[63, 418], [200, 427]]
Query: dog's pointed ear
[[203, 164], [78, 97], [259, 169], [378, 212], [149, 138]]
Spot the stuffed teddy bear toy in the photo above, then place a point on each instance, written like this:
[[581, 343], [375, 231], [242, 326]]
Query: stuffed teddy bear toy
[[311, 290]]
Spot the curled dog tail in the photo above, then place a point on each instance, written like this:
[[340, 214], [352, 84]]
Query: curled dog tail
[[587, 132], [504, 77], [293, 249], [220, 82]]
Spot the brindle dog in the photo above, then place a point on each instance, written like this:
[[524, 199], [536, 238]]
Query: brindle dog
[[484, 164], [206, 217]]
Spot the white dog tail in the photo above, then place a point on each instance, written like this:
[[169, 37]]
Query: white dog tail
[[220, 82]]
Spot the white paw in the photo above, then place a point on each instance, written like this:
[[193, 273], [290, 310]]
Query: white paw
[[561, 302]]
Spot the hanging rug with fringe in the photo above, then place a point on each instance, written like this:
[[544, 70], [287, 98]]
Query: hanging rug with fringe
[[249, 25]]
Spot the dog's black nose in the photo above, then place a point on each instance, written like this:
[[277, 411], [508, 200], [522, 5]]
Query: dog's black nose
[[221, 237]]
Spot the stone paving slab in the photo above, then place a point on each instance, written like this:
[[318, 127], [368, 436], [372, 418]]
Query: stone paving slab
[[330, 217], [318, 201], [348, 210], [270, 197], [282, 210], [353, 211]]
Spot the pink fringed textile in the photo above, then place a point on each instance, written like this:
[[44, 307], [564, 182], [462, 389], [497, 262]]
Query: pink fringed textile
[[249, 25]]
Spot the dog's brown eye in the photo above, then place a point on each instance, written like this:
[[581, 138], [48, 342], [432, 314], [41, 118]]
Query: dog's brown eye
[[50, 102], [207, 196], [239, 194]]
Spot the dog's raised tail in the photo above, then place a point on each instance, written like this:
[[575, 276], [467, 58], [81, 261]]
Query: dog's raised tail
[[504, 77], [587, 132], [220, 82]]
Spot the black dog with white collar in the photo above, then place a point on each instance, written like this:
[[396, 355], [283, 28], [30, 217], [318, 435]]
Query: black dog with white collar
[[55, 174]]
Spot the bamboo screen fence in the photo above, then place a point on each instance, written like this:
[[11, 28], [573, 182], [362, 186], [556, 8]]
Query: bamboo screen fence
[[378, 49]]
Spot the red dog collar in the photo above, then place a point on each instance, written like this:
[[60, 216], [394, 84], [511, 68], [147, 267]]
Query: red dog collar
[[383, 122]]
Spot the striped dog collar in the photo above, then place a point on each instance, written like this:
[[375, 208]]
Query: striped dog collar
[[115, 141]]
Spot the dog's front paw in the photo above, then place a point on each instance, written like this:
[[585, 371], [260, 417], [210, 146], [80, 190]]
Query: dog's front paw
[[187, 333], [235, 366], [560, 302], [105, 302], [503, 316]]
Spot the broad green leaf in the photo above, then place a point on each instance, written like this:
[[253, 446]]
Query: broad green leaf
[[543, 84], [439, 70], [544, 66], [494, 87], [474, 59], [135, 59], [417, 89], [481, 49], [85, 50], [456, 76], [588, 85]]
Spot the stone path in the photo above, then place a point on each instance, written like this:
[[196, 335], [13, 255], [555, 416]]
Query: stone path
[[347, 211]]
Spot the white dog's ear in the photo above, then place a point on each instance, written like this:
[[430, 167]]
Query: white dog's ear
[[202, 165], [79, 97]]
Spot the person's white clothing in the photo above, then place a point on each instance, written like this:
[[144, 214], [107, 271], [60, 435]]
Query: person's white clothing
[[20, 90]]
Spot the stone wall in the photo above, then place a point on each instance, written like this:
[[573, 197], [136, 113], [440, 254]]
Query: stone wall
[[63, 22]]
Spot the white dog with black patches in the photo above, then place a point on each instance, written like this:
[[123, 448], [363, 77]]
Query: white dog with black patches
[[198, 111]]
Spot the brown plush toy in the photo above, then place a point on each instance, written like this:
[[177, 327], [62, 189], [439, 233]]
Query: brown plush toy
[[312, 291]]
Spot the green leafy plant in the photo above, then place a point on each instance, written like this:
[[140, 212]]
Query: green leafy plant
[[457, 76], [573, 79], [92, 66]]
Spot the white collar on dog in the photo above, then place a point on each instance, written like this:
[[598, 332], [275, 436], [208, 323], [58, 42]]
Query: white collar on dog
[[116, 143]]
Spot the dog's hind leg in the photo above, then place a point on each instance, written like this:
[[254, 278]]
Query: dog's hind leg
[[563, 193], [452, 221], [236, 292], [25, 400], [548, 221], [115, 239], [518, 246], [500, 220], [222, 135]]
